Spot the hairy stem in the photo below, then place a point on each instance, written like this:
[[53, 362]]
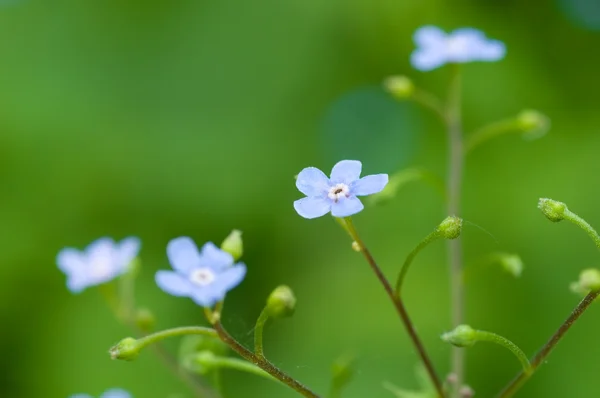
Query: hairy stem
[[258, 333], [580, 222], [409, 259], [481, 335]]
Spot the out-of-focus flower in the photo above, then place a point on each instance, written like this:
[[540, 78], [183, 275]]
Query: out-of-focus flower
[[436, 47], [112, 393], [205, 276], [337, 194], [100, 262]]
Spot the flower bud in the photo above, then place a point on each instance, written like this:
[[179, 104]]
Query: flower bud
[[553, 210], [233, 244], [356, 247], [466, 392], [450, 228], [533, 124], [511, 263], [461, 336], [145, 319], [127, 349], [281, 302], [401, 87], [342, 372], [589, 280]]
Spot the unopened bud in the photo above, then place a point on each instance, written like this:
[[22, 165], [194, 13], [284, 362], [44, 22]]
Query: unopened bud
[[233, 244], [589, 281], [145, 319], [450, 228], [356, 246], [466, 392], [461, 336], [533, 124], [127, 349], [511, 263], [553, 210], [281, 302], [401, 87]]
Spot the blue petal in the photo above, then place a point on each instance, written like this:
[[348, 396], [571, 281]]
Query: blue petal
[[173, 283], [116, 393], [100, 248], [230, 278], [312, 207], [215, 258], [346, 171], [369, 185], [128, 250], [312, 182], [429, 35], [346, 207], [183, 254], [427, 59], [207, 297], [493, 50], [81, 396], [79, 281], [70, 260]]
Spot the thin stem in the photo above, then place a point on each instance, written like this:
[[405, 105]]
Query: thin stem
[[491, 131], [409, 259], [258, 333], [455, 175], [540, 357], [481, 335], [262, 363], [180, 331], [430, 102], [399, 305], [575, 219], [216, 363]]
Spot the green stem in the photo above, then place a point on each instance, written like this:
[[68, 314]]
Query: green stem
[[491, 131], [180, 331], [398, 304], [455, 175], [430, 102], [216, 363], [409, 259], [575, 219], [541, 356], [258, 333], [481, 335], [262, 362]]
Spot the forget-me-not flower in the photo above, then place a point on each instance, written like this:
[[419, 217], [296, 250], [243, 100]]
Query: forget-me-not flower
[[112, 393], [337, 194], [205, 276], [100, 262], [436, 48]]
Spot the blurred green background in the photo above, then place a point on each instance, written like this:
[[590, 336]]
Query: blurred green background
[[191, 117]]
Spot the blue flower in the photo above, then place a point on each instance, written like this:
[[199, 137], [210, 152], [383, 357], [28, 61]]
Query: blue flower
[[112, 393], [337, 194], [204, 276], [436, 48], [100, 262]]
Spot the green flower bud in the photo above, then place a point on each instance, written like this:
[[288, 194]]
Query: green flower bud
[[553, 210], [145, 319], [466, 392], [533, 124], [401, 87], [281, 302], [233, 244], [589, 280], [356, 246], [461, 336], [127, 349], [511, 263], [450, 228]]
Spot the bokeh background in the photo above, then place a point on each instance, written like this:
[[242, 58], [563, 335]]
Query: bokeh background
[[191, 117]]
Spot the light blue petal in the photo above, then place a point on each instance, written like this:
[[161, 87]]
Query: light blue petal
[[369, 185], [70, 260], [207, 297], [346, 207], [493, 50], [77, 282], [229, 278], [128, 250], [173, 283], [427, 59], [312, 182], [312, 207], [100, 247], [81, 396], [116, 393], [213, 257], [346, 171], [471, 45], [183, 254], [429, 35]]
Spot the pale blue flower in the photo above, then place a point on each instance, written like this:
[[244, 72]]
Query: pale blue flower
[[436, 48], [112, 393], [205, 276], [337, 194], [100, 262]]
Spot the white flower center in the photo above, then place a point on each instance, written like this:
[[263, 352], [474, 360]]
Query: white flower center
[[456, 45], [338, 191], [202, 276]]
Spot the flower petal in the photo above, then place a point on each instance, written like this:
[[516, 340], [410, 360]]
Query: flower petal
[[369, 185], [427, 59], [312, 182], [312, 207], [81, 396], [207, 297], [173, 283], [116, 393], [493, 50], [346, 207], [183, 254], [230, 278], [70, 260], [128, 249], [346, 171], [429, 35], [213, 257]]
